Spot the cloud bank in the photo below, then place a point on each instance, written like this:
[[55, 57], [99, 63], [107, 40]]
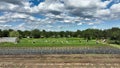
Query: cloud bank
[[55, 11]]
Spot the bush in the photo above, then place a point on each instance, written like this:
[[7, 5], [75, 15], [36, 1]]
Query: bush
[[114, 42]]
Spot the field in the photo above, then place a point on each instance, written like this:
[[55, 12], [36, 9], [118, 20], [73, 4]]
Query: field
[[60, 61], [59, 53], [57, 46], [52, 42]]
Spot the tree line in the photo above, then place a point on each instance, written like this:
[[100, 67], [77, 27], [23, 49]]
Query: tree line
[[112, 34]]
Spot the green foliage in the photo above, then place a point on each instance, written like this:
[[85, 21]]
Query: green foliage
[[5, 33], [92, 34], [35, 33], [14, 34], [114, 42], [0, 33], [26, 34]]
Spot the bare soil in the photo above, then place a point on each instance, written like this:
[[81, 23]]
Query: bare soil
[[61, 61]]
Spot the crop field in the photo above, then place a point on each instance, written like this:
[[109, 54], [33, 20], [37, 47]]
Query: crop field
[[52, 42], [58, 50], [56, 46], [58, 53], [61, 61]]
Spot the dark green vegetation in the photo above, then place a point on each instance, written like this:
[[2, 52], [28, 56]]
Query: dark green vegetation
[[112, 35]]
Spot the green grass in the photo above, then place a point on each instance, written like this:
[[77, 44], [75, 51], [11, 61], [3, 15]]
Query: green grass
[[52, 42]]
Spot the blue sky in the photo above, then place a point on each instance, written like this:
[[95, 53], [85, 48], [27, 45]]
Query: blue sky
[[59, 15]]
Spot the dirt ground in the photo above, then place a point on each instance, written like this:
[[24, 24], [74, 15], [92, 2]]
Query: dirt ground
[[61, 61]]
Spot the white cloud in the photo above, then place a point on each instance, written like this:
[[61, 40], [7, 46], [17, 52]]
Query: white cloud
[[90, 23], [85, 3], [115, 11], [115, 8], [28, 22], [51, 6], [94, 27], [5, 26], [85, 8], [66, 11], [7, 6], [20, 27], [17, 2], [79, 23], [103, 12]]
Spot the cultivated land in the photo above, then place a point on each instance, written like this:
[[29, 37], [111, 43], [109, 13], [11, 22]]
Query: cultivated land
[[59, 53], [57, 46], [60, 61], [52, 42]]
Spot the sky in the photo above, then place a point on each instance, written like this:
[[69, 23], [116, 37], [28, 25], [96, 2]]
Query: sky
[[59, 15]]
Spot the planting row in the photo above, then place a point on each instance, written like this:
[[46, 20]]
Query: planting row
[[32, 51]]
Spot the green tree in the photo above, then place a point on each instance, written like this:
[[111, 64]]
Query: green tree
[[0, 33], [14, 34], [21, 33], [78, 33], [43, 34], [5, 33], [35, 33], [27, 33]]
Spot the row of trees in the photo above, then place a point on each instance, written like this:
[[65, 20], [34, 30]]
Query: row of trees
[[112, 34]]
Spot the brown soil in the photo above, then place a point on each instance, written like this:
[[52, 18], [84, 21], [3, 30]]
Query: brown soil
[[60, 61]]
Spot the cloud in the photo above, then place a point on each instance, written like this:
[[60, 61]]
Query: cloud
[[79, 24], [21, 26], [57, 11], [115, 11], [85, 8], [51, 6], [115, 8], [16, 2], [19, 6], [7, 6], [94, 27], [85, 4], [19, 17], [5, 26]]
